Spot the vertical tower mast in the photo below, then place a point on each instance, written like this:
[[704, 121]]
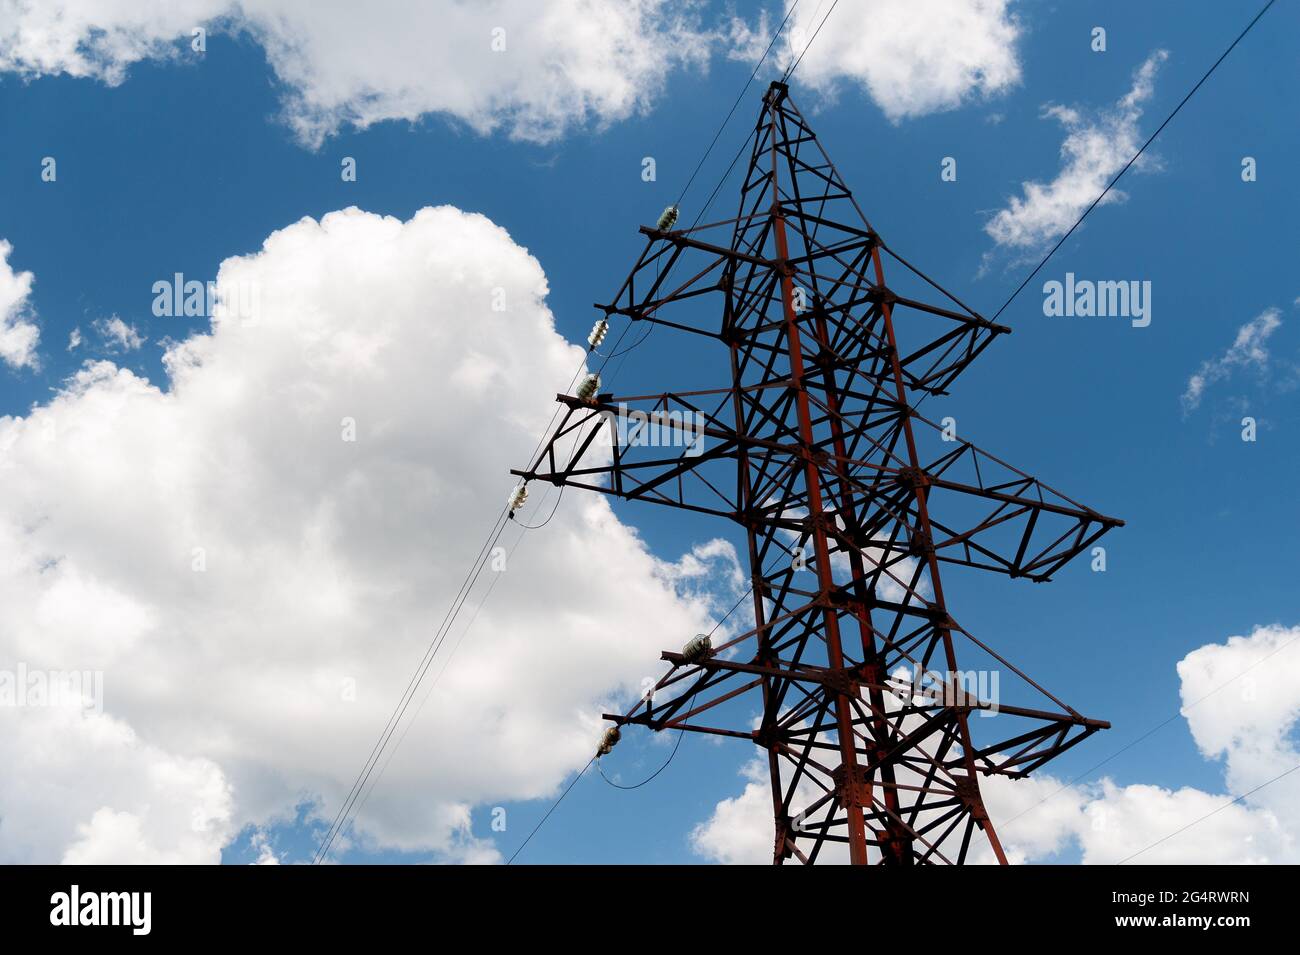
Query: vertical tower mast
[[817, 436]]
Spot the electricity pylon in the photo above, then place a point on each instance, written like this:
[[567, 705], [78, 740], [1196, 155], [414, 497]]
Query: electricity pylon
[[850, 502]]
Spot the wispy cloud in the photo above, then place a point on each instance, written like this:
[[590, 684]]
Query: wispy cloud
[[117, 335], [1249, 348], [1095, 148]]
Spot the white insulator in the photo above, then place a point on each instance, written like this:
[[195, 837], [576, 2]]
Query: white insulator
[[699, 647], [667, 219], [608, 741], [598, 333], [517, 498], [589, 386]]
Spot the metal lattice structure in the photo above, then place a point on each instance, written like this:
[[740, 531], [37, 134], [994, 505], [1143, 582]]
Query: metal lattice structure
[[815, 447]]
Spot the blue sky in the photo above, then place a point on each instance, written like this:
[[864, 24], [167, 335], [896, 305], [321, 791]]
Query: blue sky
[[186, 163]]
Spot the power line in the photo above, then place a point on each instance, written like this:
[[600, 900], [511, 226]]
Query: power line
[[1209, 814], [1159, 726], [739, 152], [361, 805], [745, 89], [649, 779], [350, 805], [732, 165], [622, 355], [351, 801], [1150, 140], [704, 209], [596, 759], [785, 78], [412, 684], [682, 733], [795, 65], [555, 805]]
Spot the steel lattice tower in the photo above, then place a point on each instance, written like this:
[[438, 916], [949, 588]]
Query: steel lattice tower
[[815, 447]]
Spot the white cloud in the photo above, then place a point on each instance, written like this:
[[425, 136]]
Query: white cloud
[[116, 334], [265, 854], [264, 677], [18, 334], [565, 62], [1250, 724], [95, 40], [1240, 704], [1248, 348], [1094, 150], [740, 830], [1108, 823], [747, 43], [85, 788], [912, 57]]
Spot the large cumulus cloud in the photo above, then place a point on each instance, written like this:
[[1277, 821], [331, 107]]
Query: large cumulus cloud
[[256, 586]]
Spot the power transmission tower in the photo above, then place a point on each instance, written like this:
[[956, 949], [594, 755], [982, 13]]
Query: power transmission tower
[[850, 501]]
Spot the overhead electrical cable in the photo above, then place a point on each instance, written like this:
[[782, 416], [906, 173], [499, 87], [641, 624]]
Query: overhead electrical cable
[[1136, 156], [596, 758], [1214, 812], [341, 819]]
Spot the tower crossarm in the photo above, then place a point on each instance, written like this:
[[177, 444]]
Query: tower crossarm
[[940, 341], [680, 449]]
